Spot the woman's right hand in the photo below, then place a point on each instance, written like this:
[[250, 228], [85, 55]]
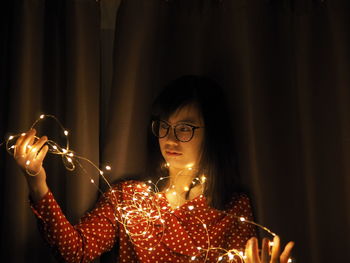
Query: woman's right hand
[[29, 154]]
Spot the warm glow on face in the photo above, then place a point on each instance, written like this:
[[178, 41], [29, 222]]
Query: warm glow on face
[[183, 155]]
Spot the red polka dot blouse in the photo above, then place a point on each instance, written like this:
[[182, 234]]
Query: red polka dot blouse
[[146, 229]]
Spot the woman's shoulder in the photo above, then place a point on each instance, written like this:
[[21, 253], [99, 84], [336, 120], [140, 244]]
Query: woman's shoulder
[[239, 204], [240, 197]]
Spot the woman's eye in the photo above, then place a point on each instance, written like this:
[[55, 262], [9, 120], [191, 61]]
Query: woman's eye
[[184, 128], [164, 126]]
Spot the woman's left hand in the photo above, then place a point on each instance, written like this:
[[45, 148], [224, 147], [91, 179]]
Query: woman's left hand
[[267, 256]]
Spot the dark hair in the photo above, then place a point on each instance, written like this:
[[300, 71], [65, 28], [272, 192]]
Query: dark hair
[[218, 159]]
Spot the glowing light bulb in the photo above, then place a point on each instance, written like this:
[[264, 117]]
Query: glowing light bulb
[[290, 260], [271, 243], [148, 211]]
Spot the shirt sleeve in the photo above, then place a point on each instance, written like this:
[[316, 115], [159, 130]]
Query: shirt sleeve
[[94, 234], [241, 231]]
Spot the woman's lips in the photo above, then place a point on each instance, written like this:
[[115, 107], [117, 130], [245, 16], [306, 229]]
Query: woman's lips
[[170, 153]]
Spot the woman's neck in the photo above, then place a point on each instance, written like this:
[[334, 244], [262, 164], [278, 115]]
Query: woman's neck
[[179, 185], [180, 179]]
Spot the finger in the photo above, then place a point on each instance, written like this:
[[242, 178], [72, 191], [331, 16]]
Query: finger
[[41, 155], [20, 150], [18, 143], [265, 250], [28, 139], [287, 252], [255, 248], [251, 251], [34, 149], [37, 146], [30, 144], [248, 252], [275, 250]]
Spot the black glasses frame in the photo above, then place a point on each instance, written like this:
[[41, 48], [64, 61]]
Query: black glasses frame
[[174, 129]]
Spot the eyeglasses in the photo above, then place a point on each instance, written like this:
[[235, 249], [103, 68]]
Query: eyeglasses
[[183, 132]]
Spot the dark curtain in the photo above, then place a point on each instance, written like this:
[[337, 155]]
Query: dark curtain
[[97, 66]]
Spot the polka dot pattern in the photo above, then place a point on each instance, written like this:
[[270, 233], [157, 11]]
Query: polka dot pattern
[[180, 234]]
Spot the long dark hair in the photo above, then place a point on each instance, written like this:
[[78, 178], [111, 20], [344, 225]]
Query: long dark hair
[[218, 159]]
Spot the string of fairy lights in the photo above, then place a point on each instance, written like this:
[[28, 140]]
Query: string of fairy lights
[[146, 204]]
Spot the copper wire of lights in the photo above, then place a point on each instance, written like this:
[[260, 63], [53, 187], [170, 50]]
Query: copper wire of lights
[[144, 207]]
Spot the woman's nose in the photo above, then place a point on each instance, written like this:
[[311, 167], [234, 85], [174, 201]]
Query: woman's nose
[[171, 136]]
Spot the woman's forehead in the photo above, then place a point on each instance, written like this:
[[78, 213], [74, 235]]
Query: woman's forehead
[[188, 113]]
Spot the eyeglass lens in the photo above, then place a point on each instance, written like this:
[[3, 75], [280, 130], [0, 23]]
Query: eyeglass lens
[[183, 132]]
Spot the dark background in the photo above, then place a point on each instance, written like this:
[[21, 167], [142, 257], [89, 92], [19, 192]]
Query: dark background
[[97, 66]]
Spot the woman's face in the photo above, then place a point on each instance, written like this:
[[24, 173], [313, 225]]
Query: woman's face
[[181, 155]]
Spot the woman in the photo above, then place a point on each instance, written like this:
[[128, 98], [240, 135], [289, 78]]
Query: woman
[[193, 213]]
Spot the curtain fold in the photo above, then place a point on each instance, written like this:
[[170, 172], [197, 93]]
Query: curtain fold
[[53, 50], [97, 66]]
